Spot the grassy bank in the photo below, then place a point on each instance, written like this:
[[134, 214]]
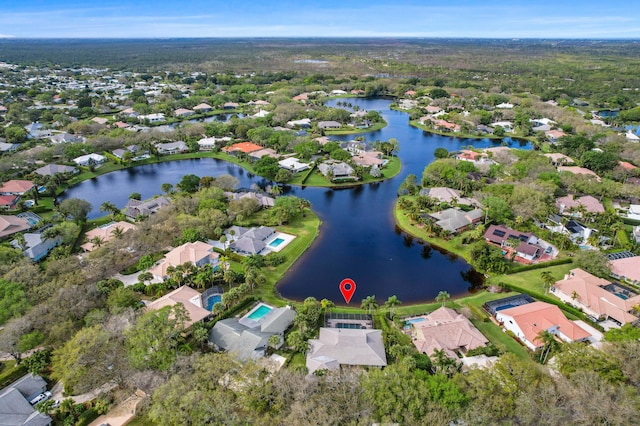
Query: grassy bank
[[316, 178], [305, 229], [355, 130], [460, 134]]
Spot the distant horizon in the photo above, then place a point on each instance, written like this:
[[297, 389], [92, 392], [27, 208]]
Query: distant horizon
[[474, 19], [2, 38]]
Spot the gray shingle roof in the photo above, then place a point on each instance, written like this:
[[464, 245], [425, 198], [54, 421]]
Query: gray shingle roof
[[346, 346]]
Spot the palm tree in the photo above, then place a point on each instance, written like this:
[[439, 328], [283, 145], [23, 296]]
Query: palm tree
[[97, 241], [443, 296], [550, 344], [145, 276], [327, 305], [391, 303], [109, 207], [117, 232], [369, 304], [547, 280]]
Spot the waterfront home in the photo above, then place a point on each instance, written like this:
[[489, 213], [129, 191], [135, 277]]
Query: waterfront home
[[554, 135], [448, 195], [593, 296], [183, 112], [152, 118], [54, 169], [523, 246], [445, 330], [256, 155], [334, 170], [304, 123], [368, 159], [248, 241], [105, 233], [135, 209], [10, 225], [506, 125], [345, 346], [327, 125], [198, 254], [172, 148], [230, 105], [473, 157], [632, 137], [293, 164], [264, 200], [203, 107], [89, 160], [189, 298], [455, 220], [247, 338], [244, 147], [529, 320]]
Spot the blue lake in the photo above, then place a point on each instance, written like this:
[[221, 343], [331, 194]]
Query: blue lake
[[358, 238]]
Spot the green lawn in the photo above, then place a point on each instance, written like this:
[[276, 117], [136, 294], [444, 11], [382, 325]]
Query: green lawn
[[355, 130], [305, 229], [316, 178], [531, 280], [10, 372]]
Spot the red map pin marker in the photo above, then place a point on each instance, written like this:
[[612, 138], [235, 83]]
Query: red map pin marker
[[347, 288]]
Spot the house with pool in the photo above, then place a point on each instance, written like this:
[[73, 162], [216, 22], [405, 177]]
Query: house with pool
[[189, 298], [248, 337], [258, 240]]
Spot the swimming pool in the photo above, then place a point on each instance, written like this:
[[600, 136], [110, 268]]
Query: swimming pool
[[276, 242], [259, 312], [414, 320], [503, 307], [212, 300]]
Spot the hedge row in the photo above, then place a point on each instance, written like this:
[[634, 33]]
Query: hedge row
[[541, 265], [306, 176]]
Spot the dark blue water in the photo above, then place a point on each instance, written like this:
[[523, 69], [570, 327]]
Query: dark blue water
[[358, 238]]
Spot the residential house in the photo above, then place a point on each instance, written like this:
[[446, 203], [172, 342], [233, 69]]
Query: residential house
[[573, 206], [16, 187], [89, 160], [248, 241], [335, 170], [247, 339], [152, 118], [445, 330], [558, 159], [15, 407], [448, 195], [8, 147], [631, 137], [9, 202], [264, 200], [54, 169], [343, 346], [183, 112], [100, 120], [172, 147], [474, 157], [198, 254], [304, 123], [122, 125], [104, 234], [36, 246], [527, 248], [129, 112], [256, 155], [636, 234], [506, 125], [302, 97], [432, 109], [189, 298], [136, 208], [455, 220], [244, 147], [589, 293], [10, 225], [554, 135], [119, 153], [579, 171], [66, 138], [634, 212], [202, 108], [293, 164], [528, 321], [504, 105], [230, 105], [329, 125], [369, 159], [627, 269]]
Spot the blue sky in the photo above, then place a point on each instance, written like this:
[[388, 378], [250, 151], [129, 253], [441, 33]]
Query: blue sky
[[328, 18]]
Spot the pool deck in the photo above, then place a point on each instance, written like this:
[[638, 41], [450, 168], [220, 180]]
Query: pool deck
[[253, 323], [287, 238]]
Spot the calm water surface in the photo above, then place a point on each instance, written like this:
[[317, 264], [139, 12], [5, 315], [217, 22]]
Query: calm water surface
[[358, 238]]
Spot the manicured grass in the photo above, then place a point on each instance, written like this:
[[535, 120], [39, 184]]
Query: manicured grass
[[298, 361], [415, 123], [453, 245], [531, 280], [316, 178], [305, 229], [500, 339], [354, 130]]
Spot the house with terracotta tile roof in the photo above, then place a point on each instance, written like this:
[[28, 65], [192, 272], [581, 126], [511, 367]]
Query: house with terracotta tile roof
[[473, 156], [626, 165], [558, 159], [589, 293], [16, 187], [529, 320], [554, 135], [579, 171], [9, 202], [627, 269], [571, 205], [198, 253], [203, 107], [245, 147], [189, 298], [183, 112], [445, 330], [104, 234]]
